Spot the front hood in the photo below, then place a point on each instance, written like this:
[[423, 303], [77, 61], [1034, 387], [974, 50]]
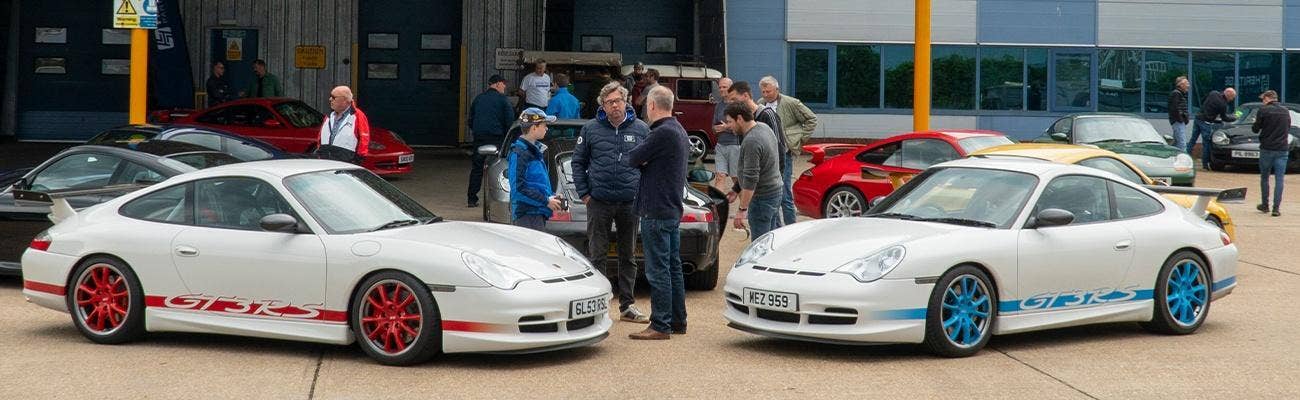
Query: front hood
[[824, 245], [1149, 164], [528, 251], [391, 143], [1155, 150]]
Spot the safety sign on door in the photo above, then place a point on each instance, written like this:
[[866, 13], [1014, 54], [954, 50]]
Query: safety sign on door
[[135, 14]]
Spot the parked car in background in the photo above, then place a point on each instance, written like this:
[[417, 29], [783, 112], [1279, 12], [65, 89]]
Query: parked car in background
[[1132, 137], [835, 187], [693, 84], [702, 220], [124, 166], [242, 147], [292, 126], [1236, 145]]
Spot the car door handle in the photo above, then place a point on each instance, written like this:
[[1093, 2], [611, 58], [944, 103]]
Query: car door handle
[[186, 251], [1123, 245]]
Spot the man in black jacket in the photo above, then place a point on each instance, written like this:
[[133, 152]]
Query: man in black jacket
[[608, 186], [1178, 111], [1273, 124], [490, 116], [217, 86], [1214, 113]]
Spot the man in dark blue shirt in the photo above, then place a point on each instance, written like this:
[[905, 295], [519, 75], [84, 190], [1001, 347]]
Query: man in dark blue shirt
[[662, 158], [489, 117]]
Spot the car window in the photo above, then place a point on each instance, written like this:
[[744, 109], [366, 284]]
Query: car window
[[1062, 125], [1115, 129], [244, 151], [1114, 166], [219, 116], [299, 114], [923, 153], [166, 205], [202, 139], [76, 171], [136, 173], [977, 143], [694, 89], [203, 160], [236, 203], [972, 194], [354, 200], [249, 115], [1132, 203], [121, 136], [879, 155], [1085, 196]]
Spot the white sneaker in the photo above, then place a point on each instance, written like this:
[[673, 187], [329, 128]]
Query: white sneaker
[[633, 314]]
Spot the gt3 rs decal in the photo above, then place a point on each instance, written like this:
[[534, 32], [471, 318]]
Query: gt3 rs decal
[[1075, 298], [257, 308]]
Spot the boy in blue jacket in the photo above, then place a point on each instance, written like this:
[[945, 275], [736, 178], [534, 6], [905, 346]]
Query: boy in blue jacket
[[531, 198]]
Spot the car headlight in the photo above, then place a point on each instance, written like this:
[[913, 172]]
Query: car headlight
[[756, 250], [1182, 162], [1220, 138], [494, 274], [573, 254], [875, 266]]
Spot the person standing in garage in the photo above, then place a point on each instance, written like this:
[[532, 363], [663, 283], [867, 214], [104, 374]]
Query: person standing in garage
[[489, 119], [1273, 125], [1214, 113], [662, 158], [1178, 118], [217, 87], [563, 104], [608, 186], [532, 200], [536, 87], [345, 135], [265, 85]]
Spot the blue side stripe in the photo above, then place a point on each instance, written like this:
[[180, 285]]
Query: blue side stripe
[[906, 313], [1223, 284]]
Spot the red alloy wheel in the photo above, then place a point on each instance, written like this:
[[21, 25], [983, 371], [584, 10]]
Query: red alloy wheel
[[391, 317], [102, 298]]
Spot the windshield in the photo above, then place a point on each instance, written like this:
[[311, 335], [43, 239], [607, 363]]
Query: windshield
[[354, 200], [977, 143], [966, 196], [121, 136], [1119, 129], [299, 114]]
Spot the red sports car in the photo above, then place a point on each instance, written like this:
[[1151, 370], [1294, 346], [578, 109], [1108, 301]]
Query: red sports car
[[834, 187], [293, 126]]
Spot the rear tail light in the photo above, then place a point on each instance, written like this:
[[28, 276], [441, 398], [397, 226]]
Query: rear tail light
[[562, 216], [41, 242], [1225, 239], [697, 216]]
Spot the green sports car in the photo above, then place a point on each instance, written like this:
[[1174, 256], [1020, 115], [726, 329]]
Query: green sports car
[[1132, 137]]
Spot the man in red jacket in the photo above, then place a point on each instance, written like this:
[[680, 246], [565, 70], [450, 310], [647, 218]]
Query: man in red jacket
[[345, 135]]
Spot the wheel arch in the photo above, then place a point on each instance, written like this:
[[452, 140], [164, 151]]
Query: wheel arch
[[993, 278], [1209, 266], [356, 286], [826, 195], [67, 281]]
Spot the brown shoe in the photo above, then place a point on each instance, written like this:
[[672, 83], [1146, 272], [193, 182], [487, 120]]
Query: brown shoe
[[649, 334], [679, 329]]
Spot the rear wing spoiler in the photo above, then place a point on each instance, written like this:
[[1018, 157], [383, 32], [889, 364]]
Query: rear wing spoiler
[[822, 151], [1203, 196], [60, 209]]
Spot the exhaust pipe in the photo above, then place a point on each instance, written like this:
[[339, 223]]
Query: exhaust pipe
[[688, 268]]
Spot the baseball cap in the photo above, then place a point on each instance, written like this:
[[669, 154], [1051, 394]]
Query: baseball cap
[[495, 78], [534, 115]]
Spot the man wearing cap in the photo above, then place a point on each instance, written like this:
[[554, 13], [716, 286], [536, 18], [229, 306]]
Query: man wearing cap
[[489, 119], [345, 135], [532, 201]]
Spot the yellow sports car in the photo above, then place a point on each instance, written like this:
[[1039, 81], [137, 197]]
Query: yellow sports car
[[1107, 161]]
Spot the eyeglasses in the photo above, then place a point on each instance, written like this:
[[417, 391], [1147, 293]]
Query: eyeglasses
[[614, 102]]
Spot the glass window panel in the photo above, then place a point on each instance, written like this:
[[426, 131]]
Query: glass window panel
[[898, 64], [1072, 81], [1257, 72], [1119, 80], [1036, 64], [1002, 77], [1163, 68], [1293, 78], [810, 75], [857, 76], [952, 81], [1210, 71]]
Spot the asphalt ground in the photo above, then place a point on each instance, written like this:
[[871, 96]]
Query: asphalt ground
[[1246, 349]]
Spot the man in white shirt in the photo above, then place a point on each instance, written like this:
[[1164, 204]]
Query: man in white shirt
[[536, 87], [345, 135]]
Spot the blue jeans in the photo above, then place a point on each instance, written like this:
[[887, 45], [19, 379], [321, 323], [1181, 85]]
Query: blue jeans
[[661, 243], [1272, 162], [764, 215], [1204, 130], [1180, 135], [787, 198], [532, 221]]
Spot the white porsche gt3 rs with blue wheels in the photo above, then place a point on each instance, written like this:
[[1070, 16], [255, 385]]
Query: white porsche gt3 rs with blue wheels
[[979, 247], [315, 251]]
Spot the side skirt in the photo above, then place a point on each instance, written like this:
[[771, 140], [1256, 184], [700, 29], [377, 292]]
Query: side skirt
[[1135, 311]]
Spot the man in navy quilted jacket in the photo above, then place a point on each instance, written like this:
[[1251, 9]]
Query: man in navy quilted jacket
[[608, 186]]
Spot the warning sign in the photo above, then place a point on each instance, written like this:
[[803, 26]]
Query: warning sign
[[234, 48], [309, 57], [135, 14]]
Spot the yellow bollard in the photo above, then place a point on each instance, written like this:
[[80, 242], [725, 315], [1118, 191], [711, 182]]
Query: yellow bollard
[[139, 75], [921, 71]]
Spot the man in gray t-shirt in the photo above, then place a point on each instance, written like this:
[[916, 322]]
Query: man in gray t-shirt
[[726, 155], [759, 175]]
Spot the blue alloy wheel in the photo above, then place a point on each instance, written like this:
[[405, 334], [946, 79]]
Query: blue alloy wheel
[[1186, 293], [959, 319]]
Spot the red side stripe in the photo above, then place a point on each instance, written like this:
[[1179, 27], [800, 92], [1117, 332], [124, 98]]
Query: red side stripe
[[466, 326], [45, 288]]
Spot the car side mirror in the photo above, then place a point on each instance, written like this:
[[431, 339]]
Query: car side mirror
[[487, 150], [279, 223], [1060, 137], [21, 184], [270, 123], [1052, 217]]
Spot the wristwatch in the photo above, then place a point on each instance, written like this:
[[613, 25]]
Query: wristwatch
[[743, 209]]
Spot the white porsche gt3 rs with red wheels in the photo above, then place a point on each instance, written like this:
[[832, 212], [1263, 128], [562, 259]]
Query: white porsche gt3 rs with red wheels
[[316, 251]]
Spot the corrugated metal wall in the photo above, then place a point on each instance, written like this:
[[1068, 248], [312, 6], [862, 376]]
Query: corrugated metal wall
[[953, 21], [1229, 24], [282, 25], [492, 24]]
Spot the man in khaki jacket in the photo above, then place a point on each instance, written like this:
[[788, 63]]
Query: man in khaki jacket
[[797, 123]]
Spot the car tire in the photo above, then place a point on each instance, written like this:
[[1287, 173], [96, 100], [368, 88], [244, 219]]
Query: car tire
[[699, 142], [1184, 275], [395, 320], [106, 301], [703, 280], [959, 317], [843, 202]]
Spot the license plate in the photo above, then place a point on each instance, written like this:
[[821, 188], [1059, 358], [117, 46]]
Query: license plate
[[1163, 180], [772, 300], [406, 159], [1245, 154], [588, 307]]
